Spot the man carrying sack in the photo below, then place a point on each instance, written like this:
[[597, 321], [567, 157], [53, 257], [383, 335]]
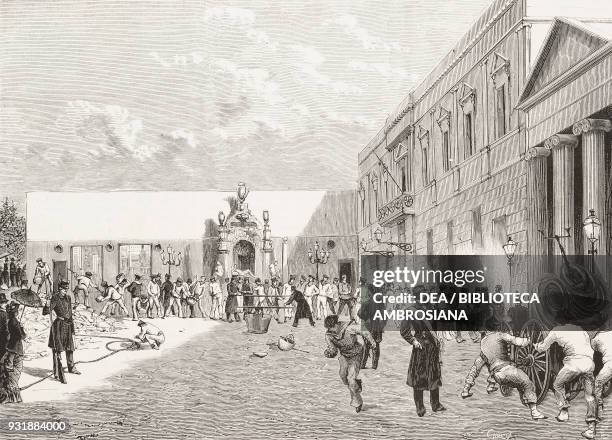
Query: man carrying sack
[[62, 331]]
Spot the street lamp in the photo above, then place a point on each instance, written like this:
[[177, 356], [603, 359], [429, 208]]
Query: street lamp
[[509, 250], [406, 247], [319, 256], [171, 258], [364, 247], [267, 241], [592, 229]]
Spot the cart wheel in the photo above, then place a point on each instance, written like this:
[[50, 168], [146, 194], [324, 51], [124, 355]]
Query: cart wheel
[[607, 389], [573, 388], [535, 364], [505, 390]]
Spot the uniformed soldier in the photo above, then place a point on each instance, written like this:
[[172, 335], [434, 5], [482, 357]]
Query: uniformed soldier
[[62, 331]]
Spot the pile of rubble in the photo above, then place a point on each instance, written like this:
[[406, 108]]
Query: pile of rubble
[[36, 326]]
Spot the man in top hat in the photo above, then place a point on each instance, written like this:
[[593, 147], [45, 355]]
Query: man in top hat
[[62, 330], [150, 334], [84, 282]]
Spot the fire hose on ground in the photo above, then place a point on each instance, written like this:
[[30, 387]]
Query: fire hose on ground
[[116, 339]]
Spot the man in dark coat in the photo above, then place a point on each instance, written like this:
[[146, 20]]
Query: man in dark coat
[[375, 327], [303, 309], [166, 293], [62, 330], [424, 372], [231, 305], [12, 361], [4, 330]]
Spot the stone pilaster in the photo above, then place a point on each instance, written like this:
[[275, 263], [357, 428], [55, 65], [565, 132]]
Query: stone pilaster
[[562, 146], [594, 172], [537, 181], [285, 260]]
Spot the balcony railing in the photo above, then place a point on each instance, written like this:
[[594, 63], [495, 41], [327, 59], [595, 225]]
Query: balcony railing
[[396, 208]]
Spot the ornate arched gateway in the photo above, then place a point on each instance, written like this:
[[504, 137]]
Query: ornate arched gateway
[[244, 242], [244, 256]]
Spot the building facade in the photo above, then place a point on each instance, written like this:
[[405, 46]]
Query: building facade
[[451, 170]]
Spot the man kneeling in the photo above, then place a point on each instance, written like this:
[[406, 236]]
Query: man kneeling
[[495, 355], [151, 334], [342, 339]]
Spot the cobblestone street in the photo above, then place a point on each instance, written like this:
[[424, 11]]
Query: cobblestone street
[[214, 387]]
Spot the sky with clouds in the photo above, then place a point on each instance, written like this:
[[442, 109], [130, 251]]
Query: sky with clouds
[[196, 95]]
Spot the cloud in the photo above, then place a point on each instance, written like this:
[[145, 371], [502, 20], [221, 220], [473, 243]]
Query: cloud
[[187, 136], [351, 26], [253, 79], [309, 60], [360, 121], [110, 128], [384, 69], [234, 16], [242, 19]]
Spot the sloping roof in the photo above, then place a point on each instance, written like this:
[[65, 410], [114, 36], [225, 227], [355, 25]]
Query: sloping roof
[[568, 43]]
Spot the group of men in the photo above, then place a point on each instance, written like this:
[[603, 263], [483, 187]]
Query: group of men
[[578, 365], [179, 298]]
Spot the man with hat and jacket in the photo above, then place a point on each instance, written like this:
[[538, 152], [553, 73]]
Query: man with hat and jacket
[[62, 331]]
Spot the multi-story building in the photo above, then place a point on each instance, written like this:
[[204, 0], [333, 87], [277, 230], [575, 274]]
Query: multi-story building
[[465, 161]]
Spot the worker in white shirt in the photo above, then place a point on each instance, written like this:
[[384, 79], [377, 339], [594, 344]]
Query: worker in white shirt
[[326, 298], [215, 293], [84, 282], [287, 312], [602, 343], [154, 290], [577, 364], [113, 297], [310, 291]]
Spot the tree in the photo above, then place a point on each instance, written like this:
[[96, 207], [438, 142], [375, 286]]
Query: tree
[[12, 231]]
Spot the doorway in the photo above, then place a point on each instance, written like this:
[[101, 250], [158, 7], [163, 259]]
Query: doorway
[[345, 267], [60, 272], [244, 256]]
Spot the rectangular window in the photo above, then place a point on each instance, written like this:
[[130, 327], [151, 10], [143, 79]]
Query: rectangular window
[[500, 232], [363, 213], [426, 178], [404, 187], [450, 238], [500, 110], [135, 259], [386, 190], [469, 134], [408, 167], [476, 229], [87, 259], [445, 151]]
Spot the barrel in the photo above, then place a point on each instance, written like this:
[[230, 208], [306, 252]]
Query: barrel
[[258, 323]]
